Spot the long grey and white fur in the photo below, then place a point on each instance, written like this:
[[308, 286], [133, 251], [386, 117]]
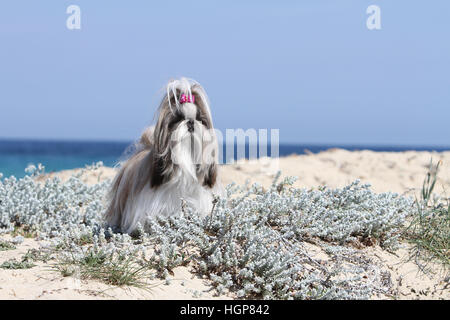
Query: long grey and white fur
[[174, 160]]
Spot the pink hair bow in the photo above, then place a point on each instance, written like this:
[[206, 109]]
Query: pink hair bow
[[187, 98]]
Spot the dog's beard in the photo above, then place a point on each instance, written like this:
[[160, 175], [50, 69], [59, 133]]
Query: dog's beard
[[187, 149]]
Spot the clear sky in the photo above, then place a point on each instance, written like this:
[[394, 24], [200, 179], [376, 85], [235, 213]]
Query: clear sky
[[309, 68]]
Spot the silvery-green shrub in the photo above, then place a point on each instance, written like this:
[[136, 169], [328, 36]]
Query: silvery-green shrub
[[251, 245]]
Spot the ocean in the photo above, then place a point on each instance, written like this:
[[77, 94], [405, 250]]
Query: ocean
[[16, 155]]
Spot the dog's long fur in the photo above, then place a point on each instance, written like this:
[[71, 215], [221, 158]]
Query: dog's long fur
[[170, 162]]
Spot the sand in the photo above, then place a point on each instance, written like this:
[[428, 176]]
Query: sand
[[401, 172]]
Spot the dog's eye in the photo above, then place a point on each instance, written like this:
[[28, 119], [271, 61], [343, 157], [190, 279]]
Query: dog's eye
[[171, 124], [178, 117], [202, 120]]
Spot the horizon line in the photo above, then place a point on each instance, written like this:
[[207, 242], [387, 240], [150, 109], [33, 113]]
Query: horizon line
[[327, 144]]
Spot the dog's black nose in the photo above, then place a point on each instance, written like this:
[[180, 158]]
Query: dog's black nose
[[190, 125]]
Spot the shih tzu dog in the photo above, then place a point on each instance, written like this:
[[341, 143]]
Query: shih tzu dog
[[174, 160]]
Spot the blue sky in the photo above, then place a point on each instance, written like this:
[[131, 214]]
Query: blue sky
[[309, 68]]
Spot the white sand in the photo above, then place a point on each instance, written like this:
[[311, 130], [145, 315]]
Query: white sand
[[401, 172]]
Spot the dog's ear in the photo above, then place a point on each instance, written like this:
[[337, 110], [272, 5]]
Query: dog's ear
[[210, 157], [161, 162], [158, 172], [161, 153], [210, 176], [212, 168]]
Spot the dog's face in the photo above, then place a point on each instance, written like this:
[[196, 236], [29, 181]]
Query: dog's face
[[184, 136], [190, 118]]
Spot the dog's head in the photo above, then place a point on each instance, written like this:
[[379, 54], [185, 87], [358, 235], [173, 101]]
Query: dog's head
[[184, 137]]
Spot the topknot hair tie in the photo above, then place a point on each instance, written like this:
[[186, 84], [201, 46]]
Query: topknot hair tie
[[187, 98]]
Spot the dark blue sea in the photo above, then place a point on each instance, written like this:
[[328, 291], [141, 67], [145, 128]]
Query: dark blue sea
[[16, 155]]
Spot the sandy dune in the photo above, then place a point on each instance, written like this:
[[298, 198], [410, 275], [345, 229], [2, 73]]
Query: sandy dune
[[385, 171], [398, 172]]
